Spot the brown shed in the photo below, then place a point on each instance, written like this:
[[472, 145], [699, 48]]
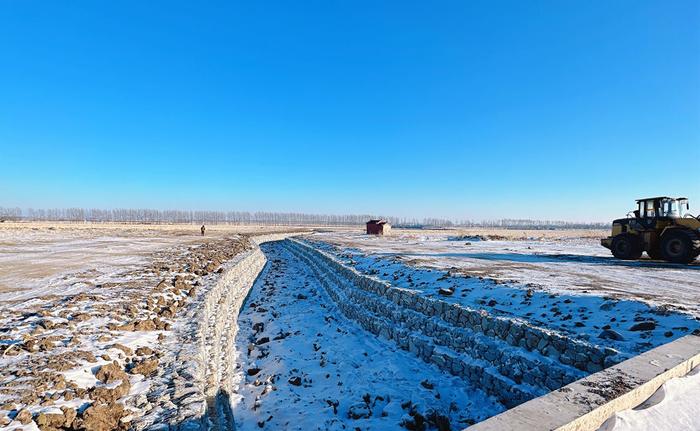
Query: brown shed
[[378, 227]]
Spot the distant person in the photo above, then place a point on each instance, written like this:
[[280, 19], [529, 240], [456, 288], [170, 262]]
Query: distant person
[[203, 229]]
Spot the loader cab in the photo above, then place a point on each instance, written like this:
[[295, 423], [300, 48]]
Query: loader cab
[[661, 207]]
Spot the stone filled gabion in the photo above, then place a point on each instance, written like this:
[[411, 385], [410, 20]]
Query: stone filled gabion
[[204, 368], [508, 358]]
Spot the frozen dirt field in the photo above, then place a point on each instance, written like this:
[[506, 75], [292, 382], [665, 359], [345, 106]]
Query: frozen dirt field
[[38, 259], [75, 299], [35, 263], [544, 261], [79, 298]]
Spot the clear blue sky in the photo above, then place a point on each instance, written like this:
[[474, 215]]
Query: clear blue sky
[[557, 109]]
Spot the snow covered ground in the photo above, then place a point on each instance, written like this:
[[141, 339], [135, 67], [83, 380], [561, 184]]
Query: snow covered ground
[[77, 301], [570, 285], [48, 261], [303, 366], [567, 265], [480, 275], [672, 407], [86, 341]]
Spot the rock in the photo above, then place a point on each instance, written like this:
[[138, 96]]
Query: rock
[[24, 417], [102, 417], [414, 421], [127, 351], [69, 415], [333, 403], [441, 422], [648, 325], [144, 351], [145, 325], [52, 420], [611, 335], [296, 381], [146, 367], [359, 411], [110, 395], [125, 327], [31, 345], [110, 373], [46, 324], [45, 345], [161, 325], [607, 306], [552, 352]]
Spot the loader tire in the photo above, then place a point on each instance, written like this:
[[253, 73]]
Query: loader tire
[[679, 246], [626, 247]]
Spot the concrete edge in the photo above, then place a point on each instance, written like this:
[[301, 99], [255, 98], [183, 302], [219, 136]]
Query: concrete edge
[[586, 403], [280, 236]]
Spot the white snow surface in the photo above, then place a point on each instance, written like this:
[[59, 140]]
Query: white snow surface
[[572, 265], [41, 270], [672, 407], [572, 285], [35, 263], [475, 273], [343, 370]]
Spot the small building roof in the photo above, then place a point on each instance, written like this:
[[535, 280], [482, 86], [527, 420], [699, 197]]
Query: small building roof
[[377, 221]]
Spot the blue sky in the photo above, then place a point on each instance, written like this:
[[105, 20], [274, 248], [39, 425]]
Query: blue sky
[[547, 109]]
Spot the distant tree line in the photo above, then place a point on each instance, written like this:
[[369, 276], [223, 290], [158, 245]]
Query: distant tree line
[[135, 215], [132, 215], [498, 223]]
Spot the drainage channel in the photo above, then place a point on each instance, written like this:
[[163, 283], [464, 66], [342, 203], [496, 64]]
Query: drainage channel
[[324, 346], [303, 364], [508, 358]]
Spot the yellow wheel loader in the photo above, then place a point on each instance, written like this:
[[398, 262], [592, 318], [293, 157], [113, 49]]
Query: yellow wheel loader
[[661, 226]]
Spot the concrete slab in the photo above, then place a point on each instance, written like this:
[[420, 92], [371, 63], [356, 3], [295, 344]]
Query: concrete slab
[[585, 404]]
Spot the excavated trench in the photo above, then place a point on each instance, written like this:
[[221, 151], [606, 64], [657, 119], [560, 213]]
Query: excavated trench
[[292, 338], [501, 362], [304, 365]]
